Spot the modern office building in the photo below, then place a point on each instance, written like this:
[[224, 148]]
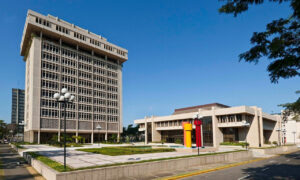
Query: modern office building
[[60, 55], [17, 106], [221, 123]]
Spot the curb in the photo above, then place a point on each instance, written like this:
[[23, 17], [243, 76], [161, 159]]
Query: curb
[[34, 173]]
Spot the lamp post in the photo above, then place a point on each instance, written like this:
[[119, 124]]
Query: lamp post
[[294, 132], [64, 98], [245, 125], [98, 128]]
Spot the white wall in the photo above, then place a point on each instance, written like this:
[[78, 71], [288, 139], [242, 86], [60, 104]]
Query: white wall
[[292, 126]]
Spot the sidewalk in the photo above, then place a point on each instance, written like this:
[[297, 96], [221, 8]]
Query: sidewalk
[[13, 167]]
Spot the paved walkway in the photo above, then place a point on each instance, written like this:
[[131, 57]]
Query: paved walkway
[[80, 159], [13, 166]]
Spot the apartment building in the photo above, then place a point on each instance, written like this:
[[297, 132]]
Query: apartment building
[[60, 55], [220, 123], [17, 108]]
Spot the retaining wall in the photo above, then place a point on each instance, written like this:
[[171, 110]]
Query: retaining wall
[[138, 170]]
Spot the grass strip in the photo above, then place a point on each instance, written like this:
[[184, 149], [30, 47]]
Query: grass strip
[[126, 150], [59, 167], [49, 162]]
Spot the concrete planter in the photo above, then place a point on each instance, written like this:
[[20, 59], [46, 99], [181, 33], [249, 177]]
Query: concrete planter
[[138, 170]]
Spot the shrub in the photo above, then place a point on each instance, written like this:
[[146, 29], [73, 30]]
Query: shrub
[[267, 142], [243, 144], [178, 141]]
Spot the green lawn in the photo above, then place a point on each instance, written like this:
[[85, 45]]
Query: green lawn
[[49, 162], [126, 150]]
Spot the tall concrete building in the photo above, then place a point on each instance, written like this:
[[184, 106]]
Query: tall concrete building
[[17, 106], [60, 55]]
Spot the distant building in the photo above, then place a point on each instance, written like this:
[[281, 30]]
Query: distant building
[[59, 54], [221, 123], [291, 129], [17, 106]]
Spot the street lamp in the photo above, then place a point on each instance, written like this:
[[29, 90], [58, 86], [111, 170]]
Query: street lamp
[[294, 132], [98, 128], [64, 97], [245, 124]]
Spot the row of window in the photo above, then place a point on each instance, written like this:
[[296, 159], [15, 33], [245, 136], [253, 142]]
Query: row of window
[[82, 107], [42, 21], [78, 35], [68, 62], [49, 47], [68, 79], [49, 85], [50, 66], [112, 111], [62, 29], [229, 118], [50, 57], [49, 75]]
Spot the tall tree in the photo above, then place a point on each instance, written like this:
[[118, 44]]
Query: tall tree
[[3, 129], [293, 107], [280, 42]]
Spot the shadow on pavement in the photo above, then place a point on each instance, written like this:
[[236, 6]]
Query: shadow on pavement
[[274, 171]]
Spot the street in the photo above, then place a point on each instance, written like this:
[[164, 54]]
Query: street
[[10, 167], [281, 167]]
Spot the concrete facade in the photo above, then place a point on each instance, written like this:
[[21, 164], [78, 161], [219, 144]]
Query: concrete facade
[[60, 55], [225, 124], [292, 129]]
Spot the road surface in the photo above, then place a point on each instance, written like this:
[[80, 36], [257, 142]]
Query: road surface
[[281, 167], [12, 167]]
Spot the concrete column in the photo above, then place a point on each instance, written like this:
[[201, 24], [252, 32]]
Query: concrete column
[[39, 137], [92, 137], [58, 136], [274, 134], [217, 133], [77, 103], [261, 125], [253, 140], [106, 136], [156, 135], [118, 138]]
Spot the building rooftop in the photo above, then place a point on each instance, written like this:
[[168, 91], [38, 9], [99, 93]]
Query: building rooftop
[[59, 29], [195, 108]]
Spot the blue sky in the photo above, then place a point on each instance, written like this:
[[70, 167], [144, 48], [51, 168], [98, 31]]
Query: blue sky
[[181, 53]]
